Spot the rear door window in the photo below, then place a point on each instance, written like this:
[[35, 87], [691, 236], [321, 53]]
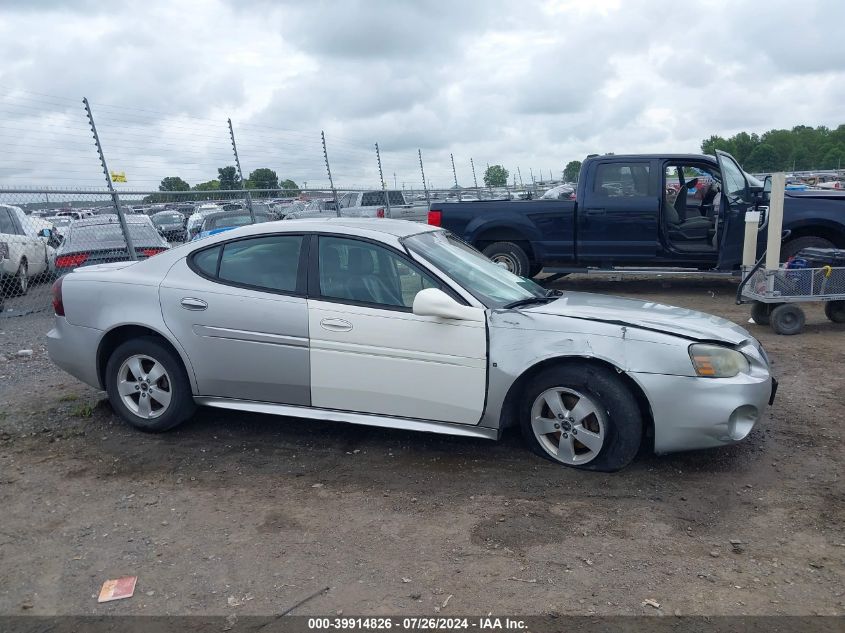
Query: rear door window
[[7, 227], [265, 263], [622, 180]]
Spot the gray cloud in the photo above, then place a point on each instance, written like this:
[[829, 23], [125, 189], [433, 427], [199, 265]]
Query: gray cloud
[[531, 84]]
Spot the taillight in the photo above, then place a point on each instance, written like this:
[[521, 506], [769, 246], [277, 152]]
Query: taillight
[[149, 252], [380, 213], [71, 261], [435, 217], [58, 306]]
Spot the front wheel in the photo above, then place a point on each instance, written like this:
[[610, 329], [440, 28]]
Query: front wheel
[[584, 417], [509, 255], [787, 319], [21, 281], [147, 385], [793, 247], [835, 311]]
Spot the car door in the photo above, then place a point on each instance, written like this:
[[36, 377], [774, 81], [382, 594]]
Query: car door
[[33, 246], [618, 219], [370, 354], [238, 308], [736, 200]]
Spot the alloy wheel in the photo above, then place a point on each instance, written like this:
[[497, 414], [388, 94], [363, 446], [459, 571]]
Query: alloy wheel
[[144, 386], [570, 426]]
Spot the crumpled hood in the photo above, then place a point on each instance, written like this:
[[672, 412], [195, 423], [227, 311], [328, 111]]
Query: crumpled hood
[[649, 315]]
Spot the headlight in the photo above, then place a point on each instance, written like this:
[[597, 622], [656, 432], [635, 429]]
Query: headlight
[[715, 361]]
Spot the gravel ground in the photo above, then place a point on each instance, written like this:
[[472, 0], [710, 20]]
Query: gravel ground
[[247, 514]]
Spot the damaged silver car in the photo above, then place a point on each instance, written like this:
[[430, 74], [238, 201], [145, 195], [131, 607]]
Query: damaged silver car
[[396, 324]]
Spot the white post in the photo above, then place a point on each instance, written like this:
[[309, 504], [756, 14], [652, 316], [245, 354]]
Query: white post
[[775, 221], [749, 247]]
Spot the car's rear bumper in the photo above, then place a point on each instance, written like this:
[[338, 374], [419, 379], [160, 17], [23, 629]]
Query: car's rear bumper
[[691, 413], [74, 349]]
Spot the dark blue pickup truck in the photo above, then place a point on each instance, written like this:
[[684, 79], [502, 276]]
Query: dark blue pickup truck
[[681, 211]]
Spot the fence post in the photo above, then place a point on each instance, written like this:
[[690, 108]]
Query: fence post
[[381, 177], [474, 179], [329, 170], [519, 171], [130, 247], [241, 173], [425, 188]]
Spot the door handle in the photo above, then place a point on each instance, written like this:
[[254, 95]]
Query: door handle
[[335, 325], [594, 212], [189, 303]]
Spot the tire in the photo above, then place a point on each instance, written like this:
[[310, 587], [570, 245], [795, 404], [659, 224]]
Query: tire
[[510, 254], [174, 381], [835, 311], [792, 247], [20, 283], [761, 312], [534, 270], [612, 415], [787, 319]]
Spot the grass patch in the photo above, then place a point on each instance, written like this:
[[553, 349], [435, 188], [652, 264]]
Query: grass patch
[[69, 397], [83, 411]]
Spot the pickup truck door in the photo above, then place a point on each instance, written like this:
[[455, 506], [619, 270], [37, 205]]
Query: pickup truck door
[[736, 200], [617, 220]]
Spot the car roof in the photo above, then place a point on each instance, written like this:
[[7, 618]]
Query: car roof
[[111, 218], [360, 227]]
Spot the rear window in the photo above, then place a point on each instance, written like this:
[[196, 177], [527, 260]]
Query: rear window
[[170, 218], [93, 233], [234, 221]]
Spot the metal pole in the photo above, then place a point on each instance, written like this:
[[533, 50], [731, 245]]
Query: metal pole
[[130, 247], [422, 171], [454, 173], [381, 177], [241, 173], [474, 179], [519, 171], [329, 170]]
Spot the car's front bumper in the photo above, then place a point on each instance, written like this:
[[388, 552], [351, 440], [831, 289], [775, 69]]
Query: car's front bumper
[[74, 349], [691, 413]]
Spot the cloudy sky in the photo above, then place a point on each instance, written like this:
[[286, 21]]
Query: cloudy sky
[[529, 84]]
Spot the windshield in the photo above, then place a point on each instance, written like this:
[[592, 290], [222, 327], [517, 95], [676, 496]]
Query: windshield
[[488, 282]]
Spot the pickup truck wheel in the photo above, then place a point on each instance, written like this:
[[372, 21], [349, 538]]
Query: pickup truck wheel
[[792, 247], [534, 270], [21, 282], [835, 311], [147, 385], [510, 255], [787, 319], [582, 417]]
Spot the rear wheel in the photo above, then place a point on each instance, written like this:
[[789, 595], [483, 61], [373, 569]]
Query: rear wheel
[[761, 312], [582, 417], [792, 247], [509, 255], [147, 385], [787, 319], [21, 281], [835, 311]]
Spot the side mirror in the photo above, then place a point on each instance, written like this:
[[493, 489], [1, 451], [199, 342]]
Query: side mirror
[[48, 233], [436, 303]]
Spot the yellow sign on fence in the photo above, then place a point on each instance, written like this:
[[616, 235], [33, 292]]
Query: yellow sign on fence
[[118, 176]]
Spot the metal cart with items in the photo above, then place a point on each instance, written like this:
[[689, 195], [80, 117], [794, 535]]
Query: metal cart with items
[[774, 290]]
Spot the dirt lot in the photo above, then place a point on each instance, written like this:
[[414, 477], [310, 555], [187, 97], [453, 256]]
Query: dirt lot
[[247, 514]]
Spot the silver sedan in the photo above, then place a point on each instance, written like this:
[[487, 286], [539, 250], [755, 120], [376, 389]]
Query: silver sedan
[[397, 324]]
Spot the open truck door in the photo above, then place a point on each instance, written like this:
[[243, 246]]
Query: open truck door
[[736, 199]]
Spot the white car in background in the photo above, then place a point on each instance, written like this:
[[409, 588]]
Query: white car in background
[[23, 253]]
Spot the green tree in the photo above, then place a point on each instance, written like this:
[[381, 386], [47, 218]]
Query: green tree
[[228, 177], [263, 178], [173, 183], [496, 176], [571, 171], [833, 158], [290, 187], [209, 185], [762, 158]]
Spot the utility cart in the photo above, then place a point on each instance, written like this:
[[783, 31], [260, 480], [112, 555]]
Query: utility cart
[[774, 290]]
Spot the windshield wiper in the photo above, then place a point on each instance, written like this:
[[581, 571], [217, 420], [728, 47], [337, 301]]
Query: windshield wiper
[[529, 301]]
